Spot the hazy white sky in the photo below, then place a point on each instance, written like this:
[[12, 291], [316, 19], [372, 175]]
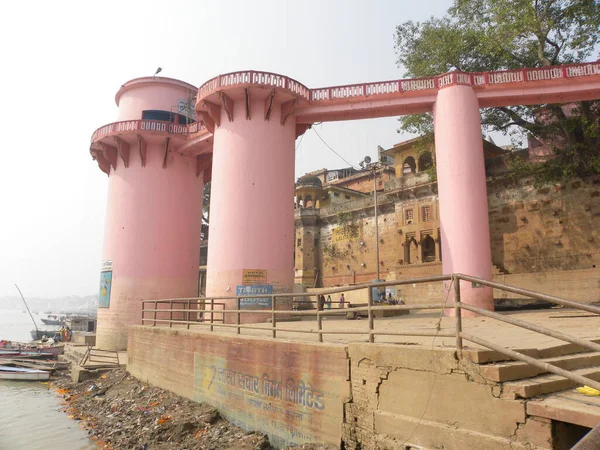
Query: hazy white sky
[[61, 63]]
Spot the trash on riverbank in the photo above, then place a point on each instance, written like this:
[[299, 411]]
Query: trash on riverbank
[[120, 412]]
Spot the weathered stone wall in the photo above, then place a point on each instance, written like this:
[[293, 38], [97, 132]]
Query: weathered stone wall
[[545, 239], [292, 391], [370, 396], [405, 397], [542, 229]]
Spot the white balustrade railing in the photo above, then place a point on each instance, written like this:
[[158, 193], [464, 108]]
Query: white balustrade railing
[[418, 84], [505, 77], [298, 88], [583, 70], [144, 125], [347, 91], [464, 78], [478, 80], [445, 80], [387, 87], [399, 86], [269, 79], [319, 94], [550, 73]]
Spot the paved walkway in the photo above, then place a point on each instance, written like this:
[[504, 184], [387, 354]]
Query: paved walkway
[[572, 322]]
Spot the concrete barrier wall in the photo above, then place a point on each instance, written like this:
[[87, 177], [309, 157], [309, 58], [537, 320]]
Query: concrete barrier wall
[[294, 392]]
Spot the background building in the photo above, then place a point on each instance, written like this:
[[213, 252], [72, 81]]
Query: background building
[[543, 238]]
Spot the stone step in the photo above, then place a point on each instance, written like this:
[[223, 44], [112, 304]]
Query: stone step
[[545, 384], [569, 407], [484, 356], [518, 370]]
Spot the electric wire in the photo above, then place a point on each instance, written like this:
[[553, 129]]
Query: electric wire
[[329, 147]]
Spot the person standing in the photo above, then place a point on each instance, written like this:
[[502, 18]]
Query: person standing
[[320, 302], [342, 301], [329, 302]]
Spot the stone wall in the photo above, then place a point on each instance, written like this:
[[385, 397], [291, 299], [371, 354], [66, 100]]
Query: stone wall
[[368, 396], [292, 391], [543, 229], [543, 238], [423, 398]]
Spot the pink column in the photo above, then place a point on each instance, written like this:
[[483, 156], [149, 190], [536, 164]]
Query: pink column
[[152, 236], [462, 192], [252, 209]]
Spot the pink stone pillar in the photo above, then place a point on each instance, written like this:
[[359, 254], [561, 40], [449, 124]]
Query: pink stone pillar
[[462, 192], [252, 208], [152, 236]]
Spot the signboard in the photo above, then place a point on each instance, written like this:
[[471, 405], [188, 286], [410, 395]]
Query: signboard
[[258, 302], [105, 285], [254, 276], [345, 233], [186, 108]]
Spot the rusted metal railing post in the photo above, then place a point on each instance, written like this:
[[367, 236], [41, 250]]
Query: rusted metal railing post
[[155, 308], [319, 323], [170, 313], [273, 316], [238, 315], [212, 314], [143, 308], [370, 313], [187, 314], [457, 315]]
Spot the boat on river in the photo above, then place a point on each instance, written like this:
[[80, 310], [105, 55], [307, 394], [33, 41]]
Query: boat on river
[[23, 374], [52, 319]]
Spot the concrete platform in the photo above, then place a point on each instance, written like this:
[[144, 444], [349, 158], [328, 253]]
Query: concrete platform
[[571, 322]]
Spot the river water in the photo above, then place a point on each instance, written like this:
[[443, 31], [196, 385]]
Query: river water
[[30, 416]]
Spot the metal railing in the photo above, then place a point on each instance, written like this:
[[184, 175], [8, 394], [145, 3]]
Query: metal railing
[[208, 316]]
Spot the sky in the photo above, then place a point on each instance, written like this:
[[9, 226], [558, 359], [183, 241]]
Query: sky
[[61, 63]]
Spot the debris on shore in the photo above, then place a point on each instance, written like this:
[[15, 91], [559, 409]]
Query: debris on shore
[[120, 412]]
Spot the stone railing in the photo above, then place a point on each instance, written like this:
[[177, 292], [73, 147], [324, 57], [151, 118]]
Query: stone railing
[[129, 126], [407, 182], [253, 77], [477, 80]]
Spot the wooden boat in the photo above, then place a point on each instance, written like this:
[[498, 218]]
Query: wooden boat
[[48, 366], [22, 374], [37, 335], [53, 320]]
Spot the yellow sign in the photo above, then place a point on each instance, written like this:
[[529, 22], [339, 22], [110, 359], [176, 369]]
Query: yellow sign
[[254, 276], [345, 233]]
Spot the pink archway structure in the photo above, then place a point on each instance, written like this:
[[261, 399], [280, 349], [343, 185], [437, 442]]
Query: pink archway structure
[[250, 120]]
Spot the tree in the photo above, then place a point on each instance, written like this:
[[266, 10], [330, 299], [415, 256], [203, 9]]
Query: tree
[[488, 35]]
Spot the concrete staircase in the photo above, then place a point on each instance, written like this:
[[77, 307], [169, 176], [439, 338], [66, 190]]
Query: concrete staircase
[[547, 395], [73, 353]]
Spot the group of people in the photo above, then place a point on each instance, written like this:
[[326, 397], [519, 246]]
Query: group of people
[[322, 302], [64, 334], [389, 299]]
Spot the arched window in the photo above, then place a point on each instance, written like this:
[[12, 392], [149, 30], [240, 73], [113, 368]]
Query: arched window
[[409, 166], [428, 249], [425, 161], [410, 250], [308, 202]]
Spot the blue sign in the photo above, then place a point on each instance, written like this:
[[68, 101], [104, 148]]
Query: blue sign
[[258, 302], [105, 285]]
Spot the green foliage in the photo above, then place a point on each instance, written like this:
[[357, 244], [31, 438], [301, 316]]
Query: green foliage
[[488, 35], [334, 252]]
